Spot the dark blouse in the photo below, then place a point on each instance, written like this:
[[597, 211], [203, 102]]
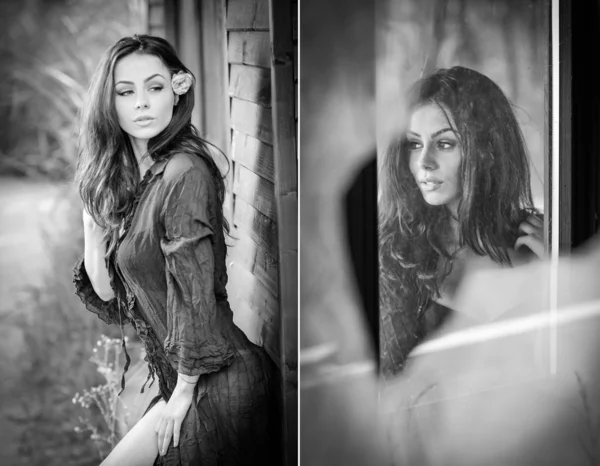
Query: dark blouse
[[169, 277]]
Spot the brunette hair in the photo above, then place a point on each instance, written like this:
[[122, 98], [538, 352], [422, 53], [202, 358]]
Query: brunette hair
[[107, 172], [496, 193]]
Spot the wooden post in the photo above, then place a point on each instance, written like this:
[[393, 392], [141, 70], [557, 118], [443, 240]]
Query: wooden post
[[214, 105], [286, 197], [189, 48]]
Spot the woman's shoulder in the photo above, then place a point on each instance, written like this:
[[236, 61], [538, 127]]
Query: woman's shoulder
[[181, 163]]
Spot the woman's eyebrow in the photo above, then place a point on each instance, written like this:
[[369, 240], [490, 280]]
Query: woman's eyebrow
[[145, 80], [441, 131]]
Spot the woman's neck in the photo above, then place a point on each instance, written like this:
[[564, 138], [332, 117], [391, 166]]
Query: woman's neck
[[140, 150], [454, 231], [454, 225]]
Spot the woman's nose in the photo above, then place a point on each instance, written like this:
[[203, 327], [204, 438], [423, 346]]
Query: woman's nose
[[142, 100], [427, 160]]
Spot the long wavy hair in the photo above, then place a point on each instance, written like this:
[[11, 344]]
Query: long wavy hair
[[107, 173], [496, 193]]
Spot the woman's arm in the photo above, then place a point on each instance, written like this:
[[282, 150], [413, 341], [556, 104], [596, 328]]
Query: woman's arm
[[94, 251], [195, 343]]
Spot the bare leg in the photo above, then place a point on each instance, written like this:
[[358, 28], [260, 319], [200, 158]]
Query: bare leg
[[140, 446]]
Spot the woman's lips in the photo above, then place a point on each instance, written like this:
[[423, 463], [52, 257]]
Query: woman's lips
[[145, 121], [431, 185]]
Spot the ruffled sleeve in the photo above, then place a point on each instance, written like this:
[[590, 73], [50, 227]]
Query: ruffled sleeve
[[195, 344], [108, 311]]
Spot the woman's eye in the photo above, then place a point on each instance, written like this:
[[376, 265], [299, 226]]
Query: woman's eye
[[156, 88], [414, 145], [446, 145], [124, 93]]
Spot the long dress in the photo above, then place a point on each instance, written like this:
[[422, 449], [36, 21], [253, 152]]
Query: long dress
[[169, 277]]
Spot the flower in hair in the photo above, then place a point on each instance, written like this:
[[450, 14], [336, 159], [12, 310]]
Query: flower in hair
[[181, 82]]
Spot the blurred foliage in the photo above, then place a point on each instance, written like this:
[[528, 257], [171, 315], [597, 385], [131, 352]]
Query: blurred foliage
[[59, 339], [49, 50]]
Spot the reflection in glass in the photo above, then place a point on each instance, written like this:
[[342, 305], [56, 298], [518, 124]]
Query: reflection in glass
[[460, 184]]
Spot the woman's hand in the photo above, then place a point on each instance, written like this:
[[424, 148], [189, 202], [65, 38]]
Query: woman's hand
[[169, 426], [533, 227]]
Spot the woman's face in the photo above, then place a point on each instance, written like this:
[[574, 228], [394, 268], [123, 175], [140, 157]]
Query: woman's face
[[144, 98], [435, 156]]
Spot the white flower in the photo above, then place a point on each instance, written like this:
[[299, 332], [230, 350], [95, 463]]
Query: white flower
[[181, 82]]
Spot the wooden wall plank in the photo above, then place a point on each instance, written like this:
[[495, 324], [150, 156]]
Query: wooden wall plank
[[250, 83], [261, 228], [261, 299], [248, 14], [252, 119], [255, 190], [249, 48], [255, 309], [256, 260], [253, 154]]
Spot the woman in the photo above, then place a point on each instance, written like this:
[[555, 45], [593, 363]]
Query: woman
[[455, 196], [155, 257]]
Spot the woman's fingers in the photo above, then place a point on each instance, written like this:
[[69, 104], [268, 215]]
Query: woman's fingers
[[536, 221], [532, 226], [529, 229], [160, 430], [532, 242], [176, 432], [166, 439], [165, 431]]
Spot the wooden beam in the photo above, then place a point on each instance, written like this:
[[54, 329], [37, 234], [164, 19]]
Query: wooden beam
[[250, 83], [252, 119], [255, 309], [171, 22], [253, 154], [254, 258], [261, 228], [190, 52], [248, 14], [565, 127], [249, 48], [256, 191], [286, 198], [213, 80]]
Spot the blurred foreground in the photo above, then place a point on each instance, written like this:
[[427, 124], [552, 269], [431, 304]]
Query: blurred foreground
[[523, 389]]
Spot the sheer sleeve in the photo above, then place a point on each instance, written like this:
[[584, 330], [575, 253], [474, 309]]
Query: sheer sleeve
[[108, 311], [195, 344]]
